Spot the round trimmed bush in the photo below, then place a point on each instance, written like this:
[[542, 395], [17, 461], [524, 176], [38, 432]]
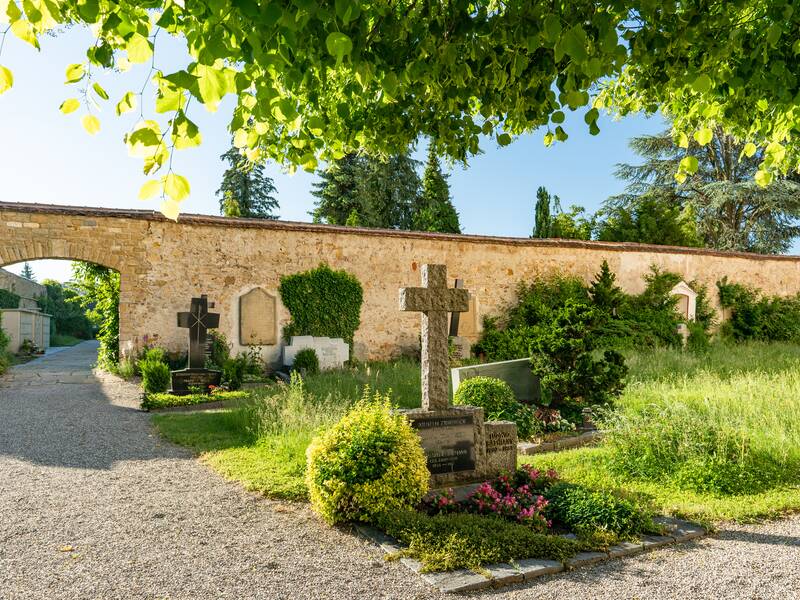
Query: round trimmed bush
[[494, 396], [306, 361], [369, 463]]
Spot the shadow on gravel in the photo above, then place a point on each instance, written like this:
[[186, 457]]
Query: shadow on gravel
[[75, 425], [759, 538]]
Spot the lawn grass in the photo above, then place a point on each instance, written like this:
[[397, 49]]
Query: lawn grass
[[750, 392]]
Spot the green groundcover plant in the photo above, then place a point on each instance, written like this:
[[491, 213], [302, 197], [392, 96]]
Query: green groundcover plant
[[156, 401]]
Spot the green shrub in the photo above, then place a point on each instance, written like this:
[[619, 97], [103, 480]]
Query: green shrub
[[126, 369], [497, 400], [220, 350], [370, 462], [8, 299], [162, 400], [758, 317], [563, 359], [579, 509], [155, 371], [699, 340], [233, 371], [322, 302], [447, 542], [306, 362]]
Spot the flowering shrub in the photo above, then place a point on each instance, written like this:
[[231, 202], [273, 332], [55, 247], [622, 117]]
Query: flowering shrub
[[516, 497], [368, 463]]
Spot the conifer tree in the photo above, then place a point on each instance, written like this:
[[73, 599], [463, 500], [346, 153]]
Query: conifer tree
[[542, 223], [605, 293], [367, 191], [434, 210], [245, 190], [27, 272]]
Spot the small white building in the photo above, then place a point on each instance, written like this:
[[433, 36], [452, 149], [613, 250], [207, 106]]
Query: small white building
[[26, 321], [22, 324]]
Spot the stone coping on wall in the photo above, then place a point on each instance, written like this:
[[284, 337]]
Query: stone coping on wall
[[211, 220], [676, 531]]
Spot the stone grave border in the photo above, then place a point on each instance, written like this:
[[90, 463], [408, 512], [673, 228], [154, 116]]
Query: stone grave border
[[463, 580], [586, 438]]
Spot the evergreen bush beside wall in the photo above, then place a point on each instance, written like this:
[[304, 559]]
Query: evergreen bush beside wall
[[323, 303]]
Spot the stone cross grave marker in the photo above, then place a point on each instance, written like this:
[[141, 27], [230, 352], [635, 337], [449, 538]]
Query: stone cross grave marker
[[434, 300], [459, 446], [198, 321]]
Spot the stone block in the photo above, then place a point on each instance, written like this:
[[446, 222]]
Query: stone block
[[583, 559], [682, 531], [625, 549], [651, 542], [532, 568], [454, 582], [501, 447], [504, 574], [331, 352]]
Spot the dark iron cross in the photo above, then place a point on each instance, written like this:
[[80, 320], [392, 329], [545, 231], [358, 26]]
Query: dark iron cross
[[198, 320]]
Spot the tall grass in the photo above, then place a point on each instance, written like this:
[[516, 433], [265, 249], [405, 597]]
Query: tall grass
[[724, 423]]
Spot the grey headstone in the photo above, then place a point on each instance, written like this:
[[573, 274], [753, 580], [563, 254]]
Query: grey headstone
[[516, 373]]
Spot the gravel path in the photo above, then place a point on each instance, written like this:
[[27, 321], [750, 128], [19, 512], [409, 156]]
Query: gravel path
[[94, 505]]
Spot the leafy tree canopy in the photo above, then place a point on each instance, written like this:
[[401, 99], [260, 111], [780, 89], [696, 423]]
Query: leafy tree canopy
[[315, 81], [729, 209]]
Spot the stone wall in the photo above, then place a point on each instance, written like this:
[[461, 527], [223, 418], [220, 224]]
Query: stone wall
[[163, 264], [26, 289]]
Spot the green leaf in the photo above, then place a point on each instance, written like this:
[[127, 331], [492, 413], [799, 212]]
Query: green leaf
[[69, 105], [6, 79], [574, 43], [774, 33], [127, 104], [557, 117], [91, 124], [689, 164], [749, 149], [150, 188], [100, 91], [213, 83], [176, 186], [763, 178], [552, 28], [138, 48], [75, 73], [504, 139], [315, 125], [680, 176], [548, 139], [561, 135], [591, 116], [144, 140], [683, 140], [185, 134], [339, 45], [703, 136], [702, 84], [24, 30]]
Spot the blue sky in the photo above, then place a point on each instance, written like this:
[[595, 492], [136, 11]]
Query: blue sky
[[47, 157]]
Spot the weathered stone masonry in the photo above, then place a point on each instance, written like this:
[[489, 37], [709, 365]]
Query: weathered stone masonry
[[163, 264]]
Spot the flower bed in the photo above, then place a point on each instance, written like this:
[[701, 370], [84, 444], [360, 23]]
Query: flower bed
[[159, 401]]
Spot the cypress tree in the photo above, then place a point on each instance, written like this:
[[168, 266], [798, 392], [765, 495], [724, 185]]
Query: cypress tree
[[543, 221], [434, 210]]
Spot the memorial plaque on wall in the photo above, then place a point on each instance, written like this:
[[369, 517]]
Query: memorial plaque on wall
[[448, 442], [257, 318]]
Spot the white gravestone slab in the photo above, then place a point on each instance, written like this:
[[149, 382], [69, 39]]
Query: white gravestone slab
[[331, 352]]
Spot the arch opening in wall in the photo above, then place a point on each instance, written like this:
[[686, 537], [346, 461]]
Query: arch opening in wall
[[51, 302]]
